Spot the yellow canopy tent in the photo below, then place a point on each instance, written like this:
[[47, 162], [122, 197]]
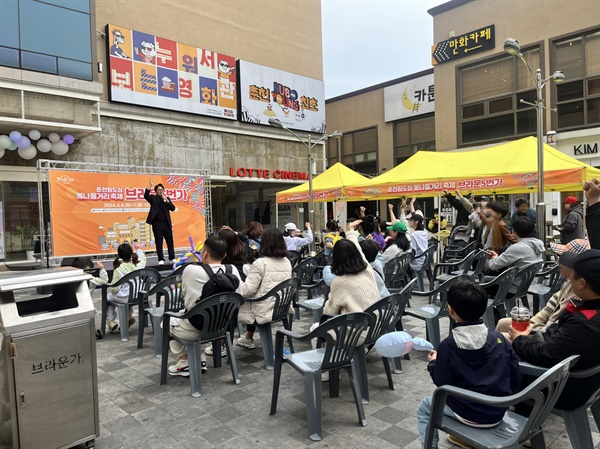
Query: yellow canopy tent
[[507, 168], [328, 186]]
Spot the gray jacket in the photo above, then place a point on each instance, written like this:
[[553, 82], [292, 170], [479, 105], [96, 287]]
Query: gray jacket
[[526, 251], [572, 226]]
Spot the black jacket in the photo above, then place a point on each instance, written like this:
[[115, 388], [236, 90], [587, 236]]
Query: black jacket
[[577, 331], [155, 203], [592, 221], [462, 214], [491, 369], [572, 226]]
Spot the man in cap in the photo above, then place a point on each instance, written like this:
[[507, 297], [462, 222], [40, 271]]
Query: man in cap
[[294, 242], [572, 226], [577, 331], [592, 217]]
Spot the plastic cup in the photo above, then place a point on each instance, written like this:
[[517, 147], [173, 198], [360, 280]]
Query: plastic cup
[[521, 317]]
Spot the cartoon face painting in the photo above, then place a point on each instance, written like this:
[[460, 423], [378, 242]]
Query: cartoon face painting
[[118, 40], [225, 70]]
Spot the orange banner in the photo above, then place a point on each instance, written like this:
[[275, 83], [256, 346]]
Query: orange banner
[[497, 183], [93, 213], [302, 197]]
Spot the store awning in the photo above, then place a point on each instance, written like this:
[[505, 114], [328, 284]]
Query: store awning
[[507, 168], [328, 186]]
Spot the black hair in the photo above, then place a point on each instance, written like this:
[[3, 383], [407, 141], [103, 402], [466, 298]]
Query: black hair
[[419, 220], [85, 263], [524, 227], [468, 300], [499, 208], [331, 225], [383, 228], [216, 247], [370, 249], [368, 225], [158, 185], [126, 254], [401, 241], [346, 259], [520, 202], [272, 244], [235, 253]]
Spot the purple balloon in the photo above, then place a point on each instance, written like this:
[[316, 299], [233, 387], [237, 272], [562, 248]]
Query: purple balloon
[[68, 139], [24, 143], [15, 136]]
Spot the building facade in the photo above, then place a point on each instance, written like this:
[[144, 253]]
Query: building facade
[[65, 83]]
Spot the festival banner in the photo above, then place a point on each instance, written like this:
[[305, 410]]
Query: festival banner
[[297, 101], [93, 213], [509, 183], [302, 197], [148, 70]]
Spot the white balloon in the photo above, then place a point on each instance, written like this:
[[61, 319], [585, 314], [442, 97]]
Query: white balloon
[[28, 153], [2, 151], [44, 145], [34, 134], [5, 142], [12, 146], [60, 148], [53, 137]]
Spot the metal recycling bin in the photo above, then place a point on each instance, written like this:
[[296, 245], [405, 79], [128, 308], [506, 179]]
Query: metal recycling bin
[[48, 375]]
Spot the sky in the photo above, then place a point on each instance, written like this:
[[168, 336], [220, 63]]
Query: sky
[[369, 42]]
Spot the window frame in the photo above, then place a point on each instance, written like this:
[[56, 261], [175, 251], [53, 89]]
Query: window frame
[[398, 159], [356, 165]]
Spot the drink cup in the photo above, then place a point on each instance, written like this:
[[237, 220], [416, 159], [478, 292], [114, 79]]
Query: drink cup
[[521, 317]]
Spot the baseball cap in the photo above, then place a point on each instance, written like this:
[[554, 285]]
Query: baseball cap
[[567, 259], [291, 227], [399, 226], [571, 200], [587, 266], [576, 246]]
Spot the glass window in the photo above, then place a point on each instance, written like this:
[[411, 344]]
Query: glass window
[[37, 62], [55, 31], [74, 69], [473, 110], [358, 147], [9, 23], [9, 57], [578, 57], [525, 80], [78, 5], [501, 105], [488, 129], [412, 136], [488, 80]]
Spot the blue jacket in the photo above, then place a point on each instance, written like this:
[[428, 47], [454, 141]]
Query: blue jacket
[[531, 213], [477, 359]]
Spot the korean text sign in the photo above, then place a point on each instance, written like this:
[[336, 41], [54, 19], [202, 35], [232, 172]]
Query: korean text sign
[[152, 71], [93, 213], [409, 99], [297, 101]]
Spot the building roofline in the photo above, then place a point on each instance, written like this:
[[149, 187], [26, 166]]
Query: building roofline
[[452, 4], [380, 85]]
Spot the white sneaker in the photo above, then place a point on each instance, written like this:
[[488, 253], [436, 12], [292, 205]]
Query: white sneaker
[[112, 326], [161, 262], [246, 342], [172, 261], [180, 369], [209, 351]]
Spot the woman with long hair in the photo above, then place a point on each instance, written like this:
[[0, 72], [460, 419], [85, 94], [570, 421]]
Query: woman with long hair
[[236, 253], [125, 263], [269, 270], [398, 243]]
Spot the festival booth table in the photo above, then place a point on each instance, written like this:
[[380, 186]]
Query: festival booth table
[[328, 186]]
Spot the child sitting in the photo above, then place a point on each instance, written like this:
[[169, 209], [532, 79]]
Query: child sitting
[[125, 263], [472, 357]]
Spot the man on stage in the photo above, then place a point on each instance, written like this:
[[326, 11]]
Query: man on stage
[[159, 217]]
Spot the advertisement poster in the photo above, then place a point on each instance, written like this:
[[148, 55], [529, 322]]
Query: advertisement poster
[[409, 99], [93, 213], [297, 101], [148, 70]]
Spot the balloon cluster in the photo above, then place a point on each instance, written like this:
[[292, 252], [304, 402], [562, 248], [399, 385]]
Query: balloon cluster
[[26, 148], [196, 253]]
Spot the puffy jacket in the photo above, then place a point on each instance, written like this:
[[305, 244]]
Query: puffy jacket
[[572, 226], [478, 359], [526, 251], [265, 274]]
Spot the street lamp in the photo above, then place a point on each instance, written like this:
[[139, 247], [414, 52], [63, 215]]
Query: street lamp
[[310, 144], [512, 47]]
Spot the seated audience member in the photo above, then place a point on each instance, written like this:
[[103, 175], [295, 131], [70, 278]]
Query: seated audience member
[[236, 250], [269, 270], [370, 249], [125, 263], [497, 235], [331, 237], [592, 216], [193, 280], [473, 357], [292, 241], [378, 236], [418, 241], [435, 224], [366, 227], [577, 331], [526, 249], [558, 302], [522, 210], [399, 242]]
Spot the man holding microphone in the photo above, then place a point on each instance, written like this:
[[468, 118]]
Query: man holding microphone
[[159, 217]]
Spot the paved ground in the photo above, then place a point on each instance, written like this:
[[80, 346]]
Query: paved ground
[[137, 412]]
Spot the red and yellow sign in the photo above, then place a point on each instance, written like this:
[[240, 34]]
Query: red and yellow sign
[[93, 213]]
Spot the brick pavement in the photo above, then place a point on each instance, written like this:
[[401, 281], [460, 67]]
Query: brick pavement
[[137, 412]]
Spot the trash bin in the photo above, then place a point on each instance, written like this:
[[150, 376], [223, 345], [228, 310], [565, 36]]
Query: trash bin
[[48, 375]]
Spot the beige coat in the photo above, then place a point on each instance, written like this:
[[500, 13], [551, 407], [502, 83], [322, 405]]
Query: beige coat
[[265, 274]]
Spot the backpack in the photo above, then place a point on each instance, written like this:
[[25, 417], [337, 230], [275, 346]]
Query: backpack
[[219, 282]]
